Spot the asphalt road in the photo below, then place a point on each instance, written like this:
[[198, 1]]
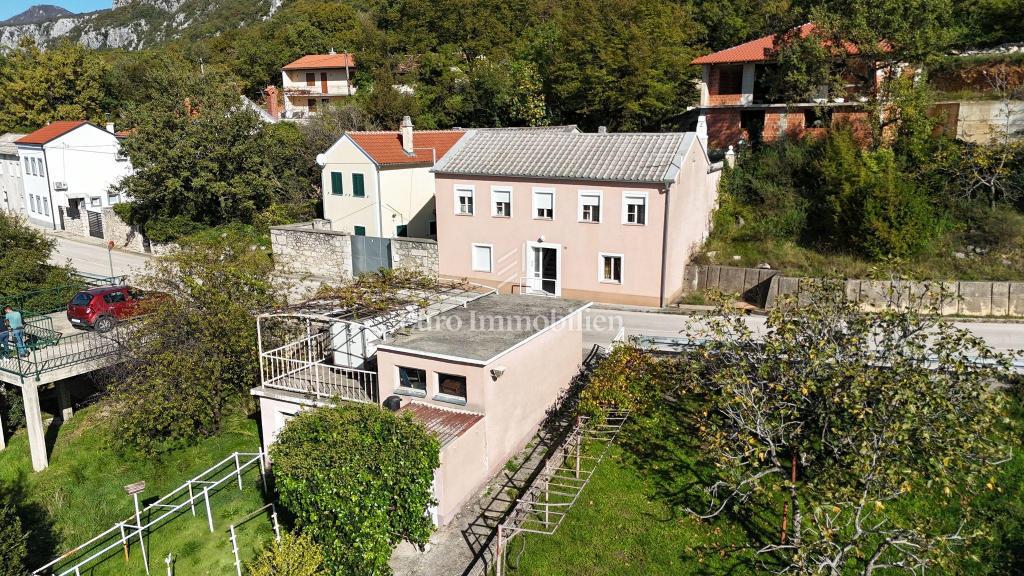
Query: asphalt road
[[91, 257], [601, 326]]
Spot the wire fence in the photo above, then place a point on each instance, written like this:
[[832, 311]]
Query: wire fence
[[193, 494]]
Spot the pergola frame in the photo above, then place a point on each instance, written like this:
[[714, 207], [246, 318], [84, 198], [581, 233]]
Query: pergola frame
[[300, 345]]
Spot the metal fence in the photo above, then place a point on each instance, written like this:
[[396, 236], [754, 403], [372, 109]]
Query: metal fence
[[304, 366], [193, 493], [49, 350], [564, 476], [54, 299]]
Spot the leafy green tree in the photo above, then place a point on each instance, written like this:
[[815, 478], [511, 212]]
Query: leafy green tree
[[198, 358], [13, 550], [200, 157], [727, 24], [358, 481], [294, 555], [62, 83], [623, 64], [869, 438]]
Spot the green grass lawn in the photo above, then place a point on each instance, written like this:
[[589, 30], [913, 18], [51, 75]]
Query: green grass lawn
[[81, 495], [617, 528]]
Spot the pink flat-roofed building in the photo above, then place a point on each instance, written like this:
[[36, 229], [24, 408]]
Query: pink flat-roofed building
[[608, 217], [482, 379]]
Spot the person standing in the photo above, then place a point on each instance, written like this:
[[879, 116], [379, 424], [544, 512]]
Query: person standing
[[16, 328]]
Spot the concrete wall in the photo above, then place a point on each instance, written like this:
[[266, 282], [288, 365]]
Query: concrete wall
[[982, 121], [750, 283], [312, 249], [764, 287], [414, 254]]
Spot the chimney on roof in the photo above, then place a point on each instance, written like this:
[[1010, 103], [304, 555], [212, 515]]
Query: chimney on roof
[[406, 131], [602, 129], [331, 52], [110, 127], [272, 105]]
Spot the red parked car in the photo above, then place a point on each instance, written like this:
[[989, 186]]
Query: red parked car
[[103, 307]]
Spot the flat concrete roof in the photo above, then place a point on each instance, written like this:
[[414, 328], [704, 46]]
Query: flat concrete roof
[[484, 329]]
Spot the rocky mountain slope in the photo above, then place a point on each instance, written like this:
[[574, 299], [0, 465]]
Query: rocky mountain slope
[[37, 14], [135, 24]]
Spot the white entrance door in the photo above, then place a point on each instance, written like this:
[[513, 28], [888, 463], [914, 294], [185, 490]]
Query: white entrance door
[[543, 268]]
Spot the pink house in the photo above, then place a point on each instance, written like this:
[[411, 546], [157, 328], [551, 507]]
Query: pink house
[[600, 216], [482, 378]]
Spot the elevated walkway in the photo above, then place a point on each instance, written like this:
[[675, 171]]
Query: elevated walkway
[[57, 351]]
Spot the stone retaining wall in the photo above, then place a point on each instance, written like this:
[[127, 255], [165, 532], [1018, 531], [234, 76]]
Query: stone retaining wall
[[415, 254], [312, 249], [763, 288]]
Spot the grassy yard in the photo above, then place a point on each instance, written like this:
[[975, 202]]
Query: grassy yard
[[81, 495], [631, 519], [619, 527]]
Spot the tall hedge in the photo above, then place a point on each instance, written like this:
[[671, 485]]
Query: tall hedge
[[358, 481]]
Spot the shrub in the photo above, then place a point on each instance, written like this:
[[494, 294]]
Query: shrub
[[13, 551], [294, 555], [358, 481], [198, 359]]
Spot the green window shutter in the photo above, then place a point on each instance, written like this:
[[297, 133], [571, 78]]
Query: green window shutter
[[337, 187], [358, 189], [360, 230]]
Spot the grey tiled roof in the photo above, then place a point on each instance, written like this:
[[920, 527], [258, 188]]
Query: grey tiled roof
[[7, 143], [612, 157]]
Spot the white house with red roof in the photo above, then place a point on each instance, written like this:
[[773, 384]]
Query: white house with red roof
[[379, 183], [316, 80], [69, 169], [735, 104]]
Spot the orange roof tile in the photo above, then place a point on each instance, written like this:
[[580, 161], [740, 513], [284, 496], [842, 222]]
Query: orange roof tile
[[322, 61], [753, 51], [50, 132], [385, 148]]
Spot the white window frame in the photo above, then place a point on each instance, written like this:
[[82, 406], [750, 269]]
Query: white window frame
[[600, 205], [28, 166], [465, 190], [554, 199], [42, 169], [494, 201], [600, 267], [95, 202], [626, 196], [490, 257]]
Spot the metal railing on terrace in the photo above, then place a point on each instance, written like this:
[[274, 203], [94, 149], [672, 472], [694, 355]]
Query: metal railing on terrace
[[49, 350], [305, 366], [55, 298]]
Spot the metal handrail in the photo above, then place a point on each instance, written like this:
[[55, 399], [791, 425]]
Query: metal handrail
[[123, 532], [65, 350]]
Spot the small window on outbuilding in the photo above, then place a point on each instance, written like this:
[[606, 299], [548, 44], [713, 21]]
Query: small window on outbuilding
[[359, 230], [412, 378], [451, 386], [402, 231]]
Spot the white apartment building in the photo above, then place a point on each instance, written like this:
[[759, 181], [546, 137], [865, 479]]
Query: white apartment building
[[69, 169]]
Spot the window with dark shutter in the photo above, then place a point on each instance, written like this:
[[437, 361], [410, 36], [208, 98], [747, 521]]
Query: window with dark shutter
[[730, 79], [358, 189], [337, 188]]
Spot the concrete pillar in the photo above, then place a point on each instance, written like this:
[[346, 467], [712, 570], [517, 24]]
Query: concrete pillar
[[34, 424], [64, 400]]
